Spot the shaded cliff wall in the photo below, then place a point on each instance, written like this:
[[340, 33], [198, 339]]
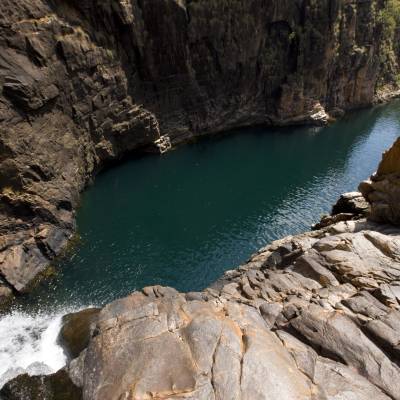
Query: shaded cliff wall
[[82, 82]]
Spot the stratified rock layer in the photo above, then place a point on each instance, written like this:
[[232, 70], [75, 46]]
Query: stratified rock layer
[[83, 82], [313, 316]]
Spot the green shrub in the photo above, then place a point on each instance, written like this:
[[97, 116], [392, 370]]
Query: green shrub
[[390, 17]]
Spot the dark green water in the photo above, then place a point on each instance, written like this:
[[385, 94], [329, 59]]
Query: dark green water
[[183, 218]]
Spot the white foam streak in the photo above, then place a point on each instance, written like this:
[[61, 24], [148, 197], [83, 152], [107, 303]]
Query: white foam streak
[[28, 344]]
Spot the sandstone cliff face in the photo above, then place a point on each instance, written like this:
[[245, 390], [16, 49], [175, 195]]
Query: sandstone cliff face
[[83, 82]]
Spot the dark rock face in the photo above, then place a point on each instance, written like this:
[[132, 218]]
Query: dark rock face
[[83, 82], [52, 387], [350, 206], [76, 331], [351, 203]]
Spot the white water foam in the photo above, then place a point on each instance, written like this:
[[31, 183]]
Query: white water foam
[[28, 344]]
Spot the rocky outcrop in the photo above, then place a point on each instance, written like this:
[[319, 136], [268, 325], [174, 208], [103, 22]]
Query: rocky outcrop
[[313, 316], [383, 189], [351, 203], [350, 206], [84, 82]]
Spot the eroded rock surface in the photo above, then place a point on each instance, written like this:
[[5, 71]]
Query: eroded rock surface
[[313, 316], [83, 82]]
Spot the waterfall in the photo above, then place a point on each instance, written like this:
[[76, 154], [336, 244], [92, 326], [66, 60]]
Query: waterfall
[[28, 344]]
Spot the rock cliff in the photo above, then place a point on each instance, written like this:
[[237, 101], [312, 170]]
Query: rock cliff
[[84, 82]]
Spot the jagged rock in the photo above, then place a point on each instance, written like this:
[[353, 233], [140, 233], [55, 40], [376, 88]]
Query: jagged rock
[[350, 206], [385, 331], [337, 336], [76, 331], [366, 304], [351, 203], [334, 219], [334, 380]]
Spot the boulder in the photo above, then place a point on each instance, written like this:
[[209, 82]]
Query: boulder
[[57, 386], [76, 331], [6, 295], [351, 203]]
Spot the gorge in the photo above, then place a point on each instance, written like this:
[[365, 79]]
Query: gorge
[[87, 84], [226, 192]]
